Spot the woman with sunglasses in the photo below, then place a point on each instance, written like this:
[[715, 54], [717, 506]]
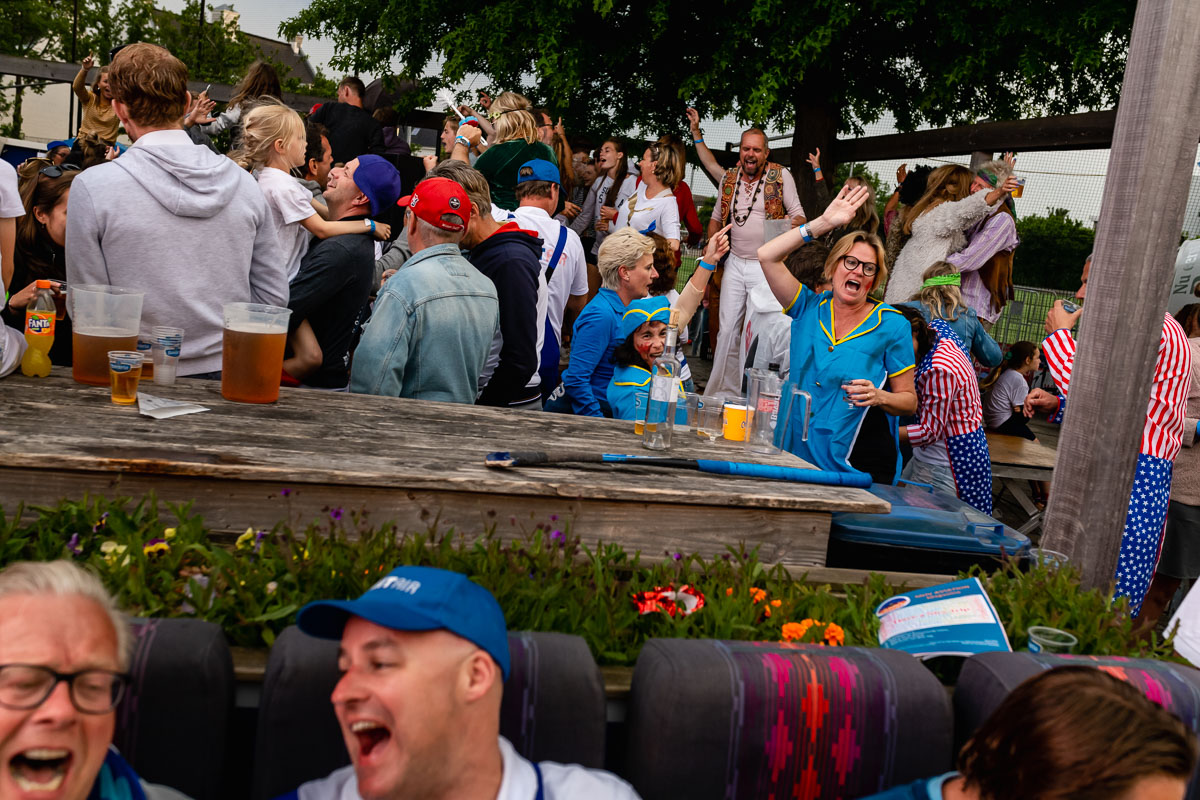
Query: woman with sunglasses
[[41, 234], [854, 355]]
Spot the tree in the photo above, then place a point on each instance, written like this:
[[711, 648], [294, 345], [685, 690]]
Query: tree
[[215, 52], [825, 69], [1052, 251]]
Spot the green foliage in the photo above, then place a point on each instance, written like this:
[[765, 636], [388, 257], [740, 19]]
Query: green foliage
[[1052, 251], [166, 563], [618, 65], [214, 52]]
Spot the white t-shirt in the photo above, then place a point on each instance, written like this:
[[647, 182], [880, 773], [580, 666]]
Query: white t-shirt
[[10, 197], [518, 781], [289, 202], [1006, 393], [570, 276], [645, 214], [12, 349]]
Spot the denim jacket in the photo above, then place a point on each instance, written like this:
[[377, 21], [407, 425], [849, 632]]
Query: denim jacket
[[430, 331], [978, 341]]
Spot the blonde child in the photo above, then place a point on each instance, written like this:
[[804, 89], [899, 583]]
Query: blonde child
[[273, 141]]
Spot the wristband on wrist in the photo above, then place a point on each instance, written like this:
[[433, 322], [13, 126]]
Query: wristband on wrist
[[1198, 429], [805, 234], [705, 265], [698, 141], [369, 223], [816, 169], [464, 141]]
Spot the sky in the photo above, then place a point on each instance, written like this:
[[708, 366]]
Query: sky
[[1072, 180]]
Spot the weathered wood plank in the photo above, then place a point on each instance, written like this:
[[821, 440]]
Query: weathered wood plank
[[1016, 451]]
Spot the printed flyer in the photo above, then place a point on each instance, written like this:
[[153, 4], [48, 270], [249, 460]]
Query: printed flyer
[[952, 619]]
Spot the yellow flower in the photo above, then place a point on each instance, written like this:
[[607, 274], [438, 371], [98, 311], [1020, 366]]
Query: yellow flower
[[108, 546], [169, 533], [155, 547], [113, 551], [246, 540]]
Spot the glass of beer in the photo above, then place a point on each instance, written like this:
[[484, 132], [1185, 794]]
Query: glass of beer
[[103, 319], [252, 352], [124, 371]]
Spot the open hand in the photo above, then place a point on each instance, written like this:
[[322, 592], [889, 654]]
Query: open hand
[[570, 210], [1010, 159], [902, 173], [814, 160], [559, 129], [693, 118], [843, 207]]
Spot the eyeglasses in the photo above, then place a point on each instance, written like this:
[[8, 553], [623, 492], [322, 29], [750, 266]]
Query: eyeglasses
[[93, 691], [868, 269], [57, 170]]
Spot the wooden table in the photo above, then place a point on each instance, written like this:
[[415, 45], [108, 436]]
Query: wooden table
[[415, 462], [1016, 460]]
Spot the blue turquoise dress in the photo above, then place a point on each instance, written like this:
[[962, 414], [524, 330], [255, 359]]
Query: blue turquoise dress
[[878, 349], [628, 382]]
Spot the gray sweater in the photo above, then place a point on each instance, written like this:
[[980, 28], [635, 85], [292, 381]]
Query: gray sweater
[[185, 225]]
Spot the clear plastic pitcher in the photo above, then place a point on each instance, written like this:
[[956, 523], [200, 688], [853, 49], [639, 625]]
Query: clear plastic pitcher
[[103, 318], [765, 402], [252, 352]]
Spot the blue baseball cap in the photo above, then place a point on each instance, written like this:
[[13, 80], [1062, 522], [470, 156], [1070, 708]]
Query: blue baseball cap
[[642, 311], [51, 145], [419, 599], [539, 169], [379, 181]]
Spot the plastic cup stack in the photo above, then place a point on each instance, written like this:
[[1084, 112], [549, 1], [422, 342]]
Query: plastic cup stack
[[166, 344]]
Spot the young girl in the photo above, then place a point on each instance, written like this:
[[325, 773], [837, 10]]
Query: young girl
[[273, 141], [1003, 407], [643, 335]]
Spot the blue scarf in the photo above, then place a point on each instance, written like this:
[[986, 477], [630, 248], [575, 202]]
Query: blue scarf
[[117, 780]]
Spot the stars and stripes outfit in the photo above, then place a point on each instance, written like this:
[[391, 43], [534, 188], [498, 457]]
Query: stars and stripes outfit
[[1162, 437], [949, 433]]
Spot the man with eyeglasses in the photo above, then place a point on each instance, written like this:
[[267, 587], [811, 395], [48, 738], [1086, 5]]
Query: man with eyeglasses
[[64, 649]]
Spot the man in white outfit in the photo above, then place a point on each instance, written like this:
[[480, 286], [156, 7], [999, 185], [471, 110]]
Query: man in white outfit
[[754, 196]]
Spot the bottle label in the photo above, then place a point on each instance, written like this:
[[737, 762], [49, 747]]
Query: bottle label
[[39, 323], [660, 389]]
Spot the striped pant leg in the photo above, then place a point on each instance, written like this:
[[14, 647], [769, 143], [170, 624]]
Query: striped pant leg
[[1145, 522], [972, 467]]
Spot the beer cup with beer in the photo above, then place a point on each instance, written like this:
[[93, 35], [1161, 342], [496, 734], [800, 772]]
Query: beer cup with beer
[[252, 352]]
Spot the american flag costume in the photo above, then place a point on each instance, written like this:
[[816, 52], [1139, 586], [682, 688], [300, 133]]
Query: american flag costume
[[1162, 436]]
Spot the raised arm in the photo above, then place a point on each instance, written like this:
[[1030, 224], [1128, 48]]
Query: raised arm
[[707, 159], [79, 85], [693, 290], [772, 254]]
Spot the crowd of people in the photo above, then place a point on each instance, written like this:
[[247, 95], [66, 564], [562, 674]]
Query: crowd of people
[[524, 270]]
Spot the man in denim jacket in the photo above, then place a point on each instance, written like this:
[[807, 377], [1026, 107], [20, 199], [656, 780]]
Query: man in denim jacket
[[434, 320]]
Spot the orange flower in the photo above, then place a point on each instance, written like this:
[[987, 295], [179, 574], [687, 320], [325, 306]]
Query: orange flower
[[777, 603], [757, 595], [834, 635], [768, 610], [792, 631], [729, 591]]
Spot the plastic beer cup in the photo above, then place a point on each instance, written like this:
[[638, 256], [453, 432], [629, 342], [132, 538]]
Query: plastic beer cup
[[124, 372], [640, 403], [252, 352], [166, 344], [103, 319]]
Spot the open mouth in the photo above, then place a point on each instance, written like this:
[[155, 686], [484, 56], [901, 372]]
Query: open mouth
[[40, 769], [370, 735], [853, 285]]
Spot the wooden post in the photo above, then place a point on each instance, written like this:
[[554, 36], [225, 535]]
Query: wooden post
[[1154, 144], [979, 158]]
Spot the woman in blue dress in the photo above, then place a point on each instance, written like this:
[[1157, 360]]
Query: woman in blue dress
[[642, 337], [854, 355]]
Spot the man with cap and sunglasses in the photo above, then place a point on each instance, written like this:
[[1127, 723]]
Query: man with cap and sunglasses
[[336, 275], [432, 326], [424, 655]]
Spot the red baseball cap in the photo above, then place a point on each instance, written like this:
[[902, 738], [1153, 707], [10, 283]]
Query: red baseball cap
[[436, 197]]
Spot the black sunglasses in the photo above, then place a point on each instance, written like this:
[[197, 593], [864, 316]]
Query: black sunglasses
[[56, 170]]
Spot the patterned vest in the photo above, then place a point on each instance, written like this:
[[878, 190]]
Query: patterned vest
[[772, 192]]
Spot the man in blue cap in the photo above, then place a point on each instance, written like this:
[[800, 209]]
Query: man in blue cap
[[563, 261], [337, 274], [424, 654]]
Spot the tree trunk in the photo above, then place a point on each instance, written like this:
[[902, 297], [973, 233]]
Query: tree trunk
[[1154, 143], [816, 126]]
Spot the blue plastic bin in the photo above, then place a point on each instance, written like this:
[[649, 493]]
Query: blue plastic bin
[[926, 531]]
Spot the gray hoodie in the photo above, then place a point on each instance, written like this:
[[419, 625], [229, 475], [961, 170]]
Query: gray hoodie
[[183, 224]]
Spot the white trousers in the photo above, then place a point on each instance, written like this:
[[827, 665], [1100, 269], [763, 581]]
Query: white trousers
[[729, 360]]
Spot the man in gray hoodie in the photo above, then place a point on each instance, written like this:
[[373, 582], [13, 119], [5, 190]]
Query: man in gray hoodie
[[177, 221]]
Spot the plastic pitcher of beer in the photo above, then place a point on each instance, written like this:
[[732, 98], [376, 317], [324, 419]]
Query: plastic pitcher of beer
[[252, 352], [103, 319]]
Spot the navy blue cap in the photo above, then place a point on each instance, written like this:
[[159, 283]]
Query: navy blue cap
[[419, 599], [379, 181], [539, 169]]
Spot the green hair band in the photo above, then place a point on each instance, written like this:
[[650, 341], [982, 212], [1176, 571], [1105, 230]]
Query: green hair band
[[943, 280], [992, 178]]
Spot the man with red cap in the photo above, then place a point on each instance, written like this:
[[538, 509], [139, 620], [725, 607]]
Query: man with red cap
[[433, 322]]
